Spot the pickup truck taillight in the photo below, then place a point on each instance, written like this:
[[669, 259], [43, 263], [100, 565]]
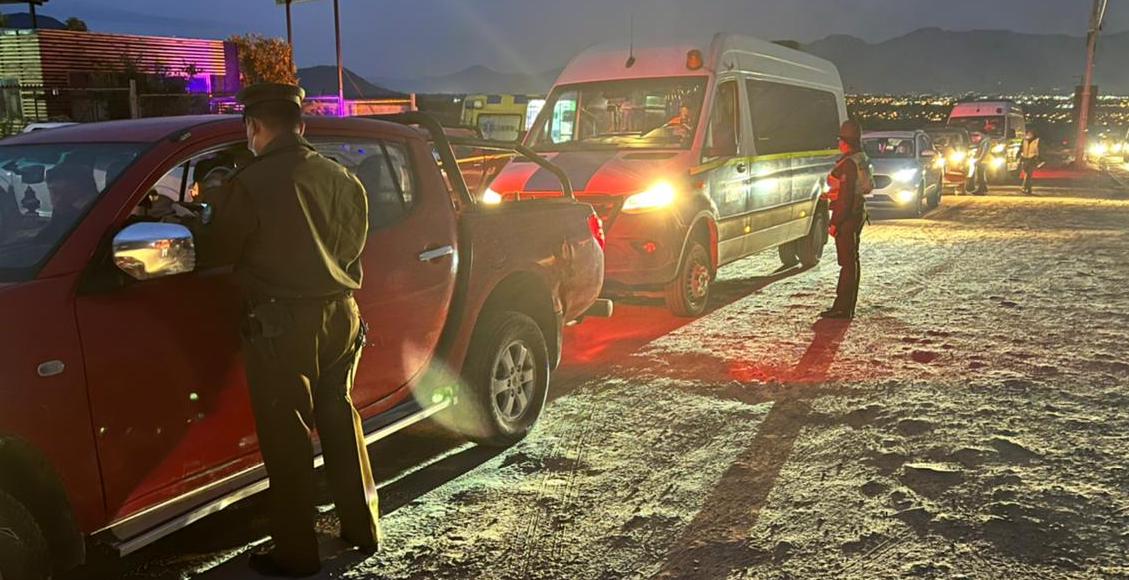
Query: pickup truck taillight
[[597, 226]]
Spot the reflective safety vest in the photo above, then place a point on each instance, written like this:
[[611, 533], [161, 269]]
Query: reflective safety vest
[[1030, 149]]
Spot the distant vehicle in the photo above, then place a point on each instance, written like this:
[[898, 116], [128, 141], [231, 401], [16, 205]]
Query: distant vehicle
[[498, 117], [123, 406], [695, 154], [908, 171], [1004, 123], [955, 145], [32, 127]]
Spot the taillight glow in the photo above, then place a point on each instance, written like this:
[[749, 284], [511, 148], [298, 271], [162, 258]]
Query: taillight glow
[[596, 226]]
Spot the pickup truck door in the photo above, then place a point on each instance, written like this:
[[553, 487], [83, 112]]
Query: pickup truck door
[[409, 263], [167, 391], [167, 388]]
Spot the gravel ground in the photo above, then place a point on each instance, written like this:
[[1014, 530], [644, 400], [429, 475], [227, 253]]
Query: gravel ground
[[972, 422]]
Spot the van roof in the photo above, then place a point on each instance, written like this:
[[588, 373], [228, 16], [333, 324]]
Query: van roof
[[983, 108], [721, 53]]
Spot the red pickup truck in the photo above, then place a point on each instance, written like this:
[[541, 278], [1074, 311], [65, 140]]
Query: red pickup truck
[[123, 407]]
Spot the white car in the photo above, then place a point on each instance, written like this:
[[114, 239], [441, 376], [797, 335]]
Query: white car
[[908, 171]]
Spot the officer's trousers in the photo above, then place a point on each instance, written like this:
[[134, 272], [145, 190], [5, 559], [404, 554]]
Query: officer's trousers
[[850, 270], [301, 357]]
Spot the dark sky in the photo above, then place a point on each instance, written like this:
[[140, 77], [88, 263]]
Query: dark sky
[[411, 38]]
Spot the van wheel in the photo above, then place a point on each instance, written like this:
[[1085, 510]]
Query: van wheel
[[507, 379], [788, 257], [689, 293], [23, 550], [809, 249]]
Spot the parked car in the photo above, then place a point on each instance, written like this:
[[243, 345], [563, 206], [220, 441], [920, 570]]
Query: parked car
[[908, 171], [955, 146], [694, 154], [123, 405]]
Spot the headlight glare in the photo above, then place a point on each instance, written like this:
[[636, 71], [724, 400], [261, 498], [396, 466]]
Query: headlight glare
[[491, 197], [658, 196], [905, 175]]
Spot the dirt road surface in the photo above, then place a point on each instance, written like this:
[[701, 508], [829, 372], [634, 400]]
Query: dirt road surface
[[972, 422]]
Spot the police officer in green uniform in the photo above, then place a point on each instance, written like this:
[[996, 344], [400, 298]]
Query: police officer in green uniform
[[294, 223]]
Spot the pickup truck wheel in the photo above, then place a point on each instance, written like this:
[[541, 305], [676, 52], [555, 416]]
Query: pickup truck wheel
[[809, 249], [23, 550], [507, 373], [689, 293]]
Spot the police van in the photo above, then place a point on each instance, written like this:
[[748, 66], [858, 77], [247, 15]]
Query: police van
[[1003, 124], [694, 154]]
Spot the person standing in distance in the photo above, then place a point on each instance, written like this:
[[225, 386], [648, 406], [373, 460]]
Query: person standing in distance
[[1029, 160], [294, 224], [849, 182]]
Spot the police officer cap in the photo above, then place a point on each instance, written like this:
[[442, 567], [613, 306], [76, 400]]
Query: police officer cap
[[267, 92]]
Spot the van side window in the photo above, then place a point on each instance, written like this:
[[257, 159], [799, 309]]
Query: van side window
[[562, 125], [385, 170], [724, 123], [788, 119]]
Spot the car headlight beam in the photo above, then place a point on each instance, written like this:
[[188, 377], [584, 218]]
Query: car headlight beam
[[658, 196], [905, 175]]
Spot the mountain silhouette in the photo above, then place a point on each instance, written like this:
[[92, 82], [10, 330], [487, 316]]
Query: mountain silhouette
[[23, 20], [929, 60], [322, 80], [477, 79], [932, 60]]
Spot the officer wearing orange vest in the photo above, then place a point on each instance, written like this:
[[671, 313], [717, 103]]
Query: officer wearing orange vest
[[849, 183]]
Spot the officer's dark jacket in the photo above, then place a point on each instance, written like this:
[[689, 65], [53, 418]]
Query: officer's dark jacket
[[849, 202], [293, 222]]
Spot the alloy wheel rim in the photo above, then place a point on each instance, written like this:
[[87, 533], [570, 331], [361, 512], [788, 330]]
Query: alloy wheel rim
[[698, 282], [513, 381]]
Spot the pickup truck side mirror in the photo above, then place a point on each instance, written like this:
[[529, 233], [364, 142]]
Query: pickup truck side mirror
[[153, 250]]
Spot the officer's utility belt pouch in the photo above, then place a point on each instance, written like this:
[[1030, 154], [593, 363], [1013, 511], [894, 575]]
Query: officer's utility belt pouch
[[269, 319]]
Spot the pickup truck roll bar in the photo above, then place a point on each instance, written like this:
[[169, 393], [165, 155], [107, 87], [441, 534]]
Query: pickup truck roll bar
[[444, 142]]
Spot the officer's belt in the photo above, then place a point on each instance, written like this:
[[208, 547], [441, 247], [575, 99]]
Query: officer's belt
[[326, 299]]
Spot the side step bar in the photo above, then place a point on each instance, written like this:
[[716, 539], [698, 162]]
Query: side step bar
[[259, 482]]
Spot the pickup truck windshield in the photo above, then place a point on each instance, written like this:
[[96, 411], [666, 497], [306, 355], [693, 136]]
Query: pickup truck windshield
[[992, 126], [659, 113], [44, 192]]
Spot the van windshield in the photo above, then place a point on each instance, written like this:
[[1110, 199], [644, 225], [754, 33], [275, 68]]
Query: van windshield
[[992, 126], [44, 192], [659, 113]]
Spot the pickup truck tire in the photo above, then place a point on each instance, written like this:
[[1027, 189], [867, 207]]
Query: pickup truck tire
[[23, 549], [507, 379], [809, 249], [689, 293]]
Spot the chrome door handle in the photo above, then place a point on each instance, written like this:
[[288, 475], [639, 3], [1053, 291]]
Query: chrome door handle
[[432, 255]]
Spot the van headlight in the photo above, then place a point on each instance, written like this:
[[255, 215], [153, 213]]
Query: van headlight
[[999, 148], [905, 175], [907, 196], [491, 197], [658, 196], [996, 162], [957, 157]]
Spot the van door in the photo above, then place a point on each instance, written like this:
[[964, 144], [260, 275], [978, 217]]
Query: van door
[[729, 171], [795, 129]]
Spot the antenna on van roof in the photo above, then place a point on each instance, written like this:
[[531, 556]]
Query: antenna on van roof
[[630, 39]]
